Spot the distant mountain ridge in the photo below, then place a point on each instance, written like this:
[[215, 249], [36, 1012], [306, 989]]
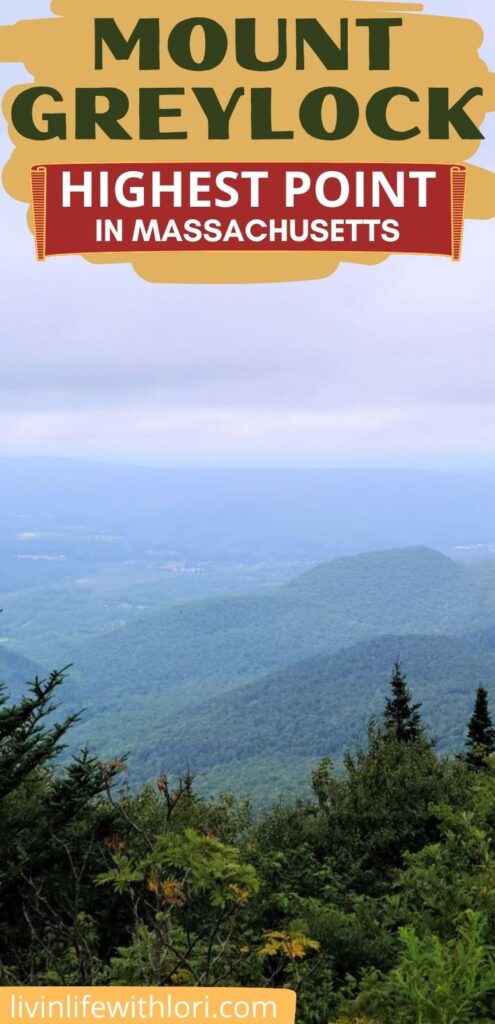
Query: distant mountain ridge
[[167, 589], [202, 682], [304, 711], [16, 671], [249, 687], [222, 641]]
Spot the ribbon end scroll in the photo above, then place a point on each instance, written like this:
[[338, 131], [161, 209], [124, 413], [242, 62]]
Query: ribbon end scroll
[[38, 189], [459, 185]]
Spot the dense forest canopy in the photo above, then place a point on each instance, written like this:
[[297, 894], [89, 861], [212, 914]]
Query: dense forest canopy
[[373, 897]]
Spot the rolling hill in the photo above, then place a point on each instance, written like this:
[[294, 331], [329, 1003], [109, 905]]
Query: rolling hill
[[194, 649], [204, 682], [16, 671], [245, 686], [288, 719], [87, 548]]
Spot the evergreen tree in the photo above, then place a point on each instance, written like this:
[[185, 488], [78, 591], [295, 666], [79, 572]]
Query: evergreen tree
[[54, 828], [401, 715], [481, 733], [25, 744]]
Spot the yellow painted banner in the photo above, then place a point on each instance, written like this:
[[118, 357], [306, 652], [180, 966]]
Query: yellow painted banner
[[356, 82], [131, 1005]]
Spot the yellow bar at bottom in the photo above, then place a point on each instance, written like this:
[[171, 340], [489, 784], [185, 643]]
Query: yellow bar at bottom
[[133, 1005]]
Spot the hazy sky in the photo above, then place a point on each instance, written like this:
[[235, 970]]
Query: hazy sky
[[299, 374]]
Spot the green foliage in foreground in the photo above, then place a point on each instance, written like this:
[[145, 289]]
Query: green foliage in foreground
[[374, 898]]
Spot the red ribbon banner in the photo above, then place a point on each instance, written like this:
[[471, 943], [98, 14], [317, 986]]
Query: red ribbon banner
[[126, 208]]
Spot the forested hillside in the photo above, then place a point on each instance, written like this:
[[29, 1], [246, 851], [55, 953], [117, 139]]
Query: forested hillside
[[15, 670], [86, 548], [215, 642], [261, 684], [278, 726], [243, 684]]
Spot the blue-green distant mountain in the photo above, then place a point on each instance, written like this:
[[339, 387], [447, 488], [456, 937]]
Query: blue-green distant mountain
[[321, 706], [195, 648], [226, 682], [16, 671], [192, 601], [86, 548]]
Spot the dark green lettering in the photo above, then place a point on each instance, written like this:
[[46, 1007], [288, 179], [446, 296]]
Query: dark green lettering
[[146, 33], [442, 116], [379, 30], [262, 118], [377, 115], [333, 56], [23, 115], [218, 116], [347, 114], [180, 44], [150, 113], [245, 33], [88, 118]]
